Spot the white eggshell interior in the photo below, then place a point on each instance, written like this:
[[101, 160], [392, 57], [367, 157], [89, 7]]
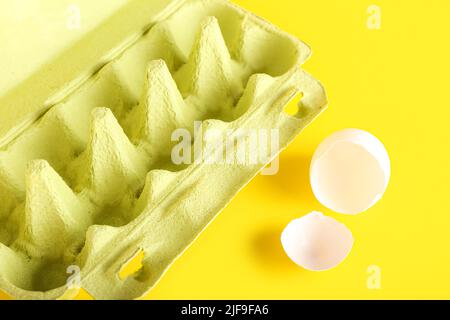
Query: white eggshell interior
[[316, 242], [350, 171]]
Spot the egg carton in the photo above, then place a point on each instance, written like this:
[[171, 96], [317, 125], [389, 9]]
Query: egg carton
[[92, 183]]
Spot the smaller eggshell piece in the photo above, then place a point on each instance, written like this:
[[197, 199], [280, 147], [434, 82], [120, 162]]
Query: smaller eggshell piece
[[316, 242], [350, 171]]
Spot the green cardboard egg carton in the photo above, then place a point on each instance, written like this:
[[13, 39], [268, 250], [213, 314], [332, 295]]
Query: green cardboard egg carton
[[92, 182]]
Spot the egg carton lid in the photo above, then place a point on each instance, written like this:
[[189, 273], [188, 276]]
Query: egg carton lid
[[57, 46]]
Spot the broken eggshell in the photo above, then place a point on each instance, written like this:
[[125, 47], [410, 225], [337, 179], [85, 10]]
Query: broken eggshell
[[350, 171], [316, 242]]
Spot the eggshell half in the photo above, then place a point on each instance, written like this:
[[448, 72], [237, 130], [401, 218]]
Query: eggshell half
[[350, 171], [317, 242]]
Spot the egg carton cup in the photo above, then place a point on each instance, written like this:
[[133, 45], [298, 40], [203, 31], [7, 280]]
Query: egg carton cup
[[91, 184]]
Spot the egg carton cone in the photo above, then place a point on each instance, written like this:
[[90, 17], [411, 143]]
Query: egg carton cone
[[92, 183]]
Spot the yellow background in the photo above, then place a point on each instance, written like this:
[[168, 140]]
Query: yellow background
[[392, 82]]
